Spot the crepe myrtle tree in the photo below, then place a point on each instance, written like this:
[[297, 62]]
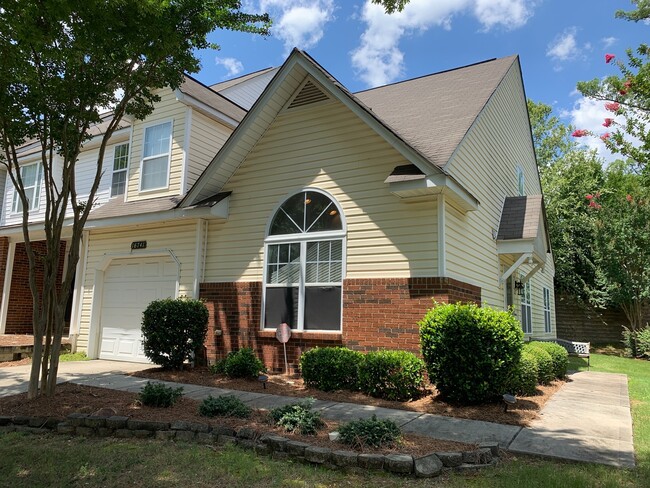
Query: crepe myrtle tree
[[62, 62], [626, 98], [621, 217]]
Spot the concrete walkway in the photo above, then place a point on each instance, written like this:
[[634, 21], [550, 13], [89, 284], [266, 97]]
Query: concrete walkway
[[588, 420]]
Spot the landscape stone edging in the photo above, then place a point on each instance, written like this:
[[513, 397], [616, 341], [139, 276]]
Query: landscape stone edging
[[271, 444]]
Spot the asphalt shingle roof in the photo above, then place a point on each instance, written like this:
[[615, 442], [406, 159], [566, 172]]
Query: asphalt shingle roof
[[520, 218], [433, 113]]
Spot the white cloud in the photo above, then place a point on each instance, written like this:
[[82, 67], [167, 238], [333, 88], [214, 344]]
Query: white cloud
[[232, 65], [510, 14], [608, 41], [379, 60], [297, 23], [565, 46]]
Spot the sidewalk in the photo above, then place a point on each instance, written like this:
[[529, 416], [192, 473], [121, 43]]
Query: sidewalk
[[588, 420]]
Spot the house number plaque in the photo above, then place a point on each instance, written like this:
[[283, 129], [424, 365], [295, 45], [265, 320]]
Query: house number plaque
[[138, 245]]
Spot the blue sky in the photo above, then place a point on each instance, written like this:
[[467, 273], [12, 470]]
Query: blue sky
[[559, 43]]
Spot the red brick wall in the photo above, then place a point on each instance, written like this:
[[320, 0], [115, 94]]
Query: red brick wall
[[377, 313], [383, 313], [19, 312]]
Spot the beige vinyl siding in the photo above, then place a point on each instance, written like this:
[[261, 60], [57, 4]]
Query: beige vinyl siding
[[206, 138], [167, 109], [180, 238], [485, 163], [325, 146]]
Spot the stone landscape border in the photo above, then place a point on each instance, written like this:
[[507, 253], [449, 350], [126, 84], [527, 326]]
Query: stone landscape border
[[273, 445]]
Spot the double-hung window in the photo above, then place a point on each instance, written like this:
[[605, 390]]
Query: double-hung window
[[120, 163], [547, 310], [526, 309], [32, 176], [304, 256], [155, 157]]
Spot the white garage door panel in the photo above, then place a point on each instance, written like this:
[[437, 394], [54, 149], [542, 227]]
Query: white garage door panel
[[129, 286]]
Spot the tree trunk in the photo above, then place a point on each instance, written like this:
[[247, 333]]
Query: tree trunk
[[37, 357]]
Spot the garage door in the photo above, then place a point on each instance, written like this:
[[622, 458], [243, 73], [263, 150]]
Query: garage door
[[129, 286]]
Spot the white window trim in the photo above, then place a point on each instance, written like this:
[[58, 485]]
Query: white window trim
[[39, 185], [303, 239], [124, 170], [168, 154], [548, 324]]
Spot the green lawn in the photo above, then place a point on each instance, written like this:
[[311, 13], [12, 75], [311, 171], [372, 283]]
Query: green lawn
[[31, 461]]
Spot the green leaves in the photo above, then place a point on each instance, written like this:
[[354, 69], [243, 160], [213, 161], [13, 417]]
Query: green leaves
[[173, 329], [331, 368], [470, 352], [393, 375]]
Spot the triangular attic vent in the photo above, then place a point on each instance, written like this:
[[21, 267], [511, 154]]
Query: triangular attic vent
[[309, 93]]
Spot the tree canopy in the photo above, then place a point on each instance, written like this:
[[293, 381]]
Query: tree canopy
[[62, 64]]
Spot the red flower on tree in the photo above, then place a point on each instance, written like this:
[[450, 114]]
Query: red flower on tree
[[629, 198], [612, 106], [589, 196], [580, 133], [609, 58], [605, 136], [608, 122]]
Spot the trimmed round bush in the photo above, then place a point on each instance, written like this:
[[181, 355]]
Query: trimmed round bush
[[393, 375], [544, 363], [524, 377], [559, 356], [173, 329], [470, 352], [331, 368], [243, 363]]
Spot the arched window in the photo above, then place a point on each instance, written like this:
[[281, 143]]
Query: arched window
[[304, 264]]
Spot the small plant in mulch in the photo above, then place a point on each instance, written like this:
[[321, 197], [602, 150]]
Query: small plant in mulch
[[298, 417], [371, 432], [159, 395], [224, 406], [243, 363]]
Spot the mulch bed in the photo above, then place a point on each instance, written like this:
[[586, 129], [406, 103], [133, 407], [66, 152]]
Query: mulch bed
[[71, 398], [526, 409]]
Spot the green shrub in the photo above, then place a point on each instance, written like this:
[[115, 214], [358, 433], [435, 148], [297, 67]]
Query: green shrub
[[331, 368], [298, 417], [173, 330], [370, 433], [637, 343], [559, 356], [470, 352], [393, 375], [239, 364], [524, 378], [545, 372], [224, 406], [159, 395]]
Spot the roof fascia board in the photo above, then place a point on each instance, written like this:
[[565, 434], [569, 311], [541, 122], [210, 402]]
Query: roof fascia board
[[438, 184], [202, 107], [219, 211]]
